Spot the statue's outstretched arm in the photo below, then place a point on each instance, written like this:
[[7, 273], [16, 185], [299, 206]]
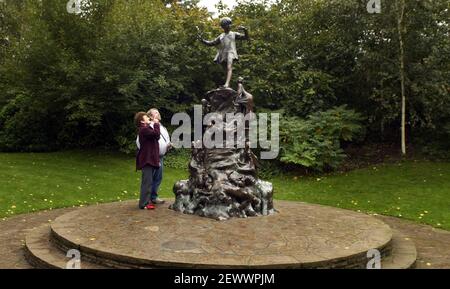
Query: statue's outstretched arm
[[244, 36], [210, 43]]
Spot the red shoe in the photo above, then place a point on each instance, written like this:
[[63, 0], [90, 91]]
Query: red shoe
[[149, 207]]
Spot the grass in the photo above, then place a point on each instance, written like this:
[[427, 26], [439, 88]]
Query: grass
[[36, 181], [415, 190]]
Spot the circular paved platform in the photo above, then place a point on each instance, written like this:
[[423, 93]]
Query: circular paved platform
[[299, 236]]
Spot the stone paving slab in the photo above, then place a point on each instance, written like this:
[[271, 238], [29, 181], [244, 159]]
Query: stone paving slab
[[41, 253], [403, 254], [12, 236], [431, 243], [299, 236]]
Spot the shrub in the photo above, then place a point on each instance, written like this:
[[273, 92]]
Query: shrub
[[20, 126], [315, 142]]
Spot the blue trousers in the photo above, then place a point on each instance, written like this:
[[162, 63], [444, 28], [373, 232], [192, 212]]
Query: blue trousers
[[157, 179]]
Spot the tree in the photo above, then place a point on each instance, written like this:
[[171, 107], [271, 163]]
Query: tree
[[401, 31], [81, 77]]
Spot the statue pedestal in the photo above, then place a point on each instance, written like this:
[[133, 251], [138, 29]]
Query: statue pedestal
[[223, 182]]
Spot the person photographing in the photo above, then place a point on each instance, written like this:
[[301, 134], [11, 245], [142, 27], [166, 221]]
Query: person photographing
[[164, 146]]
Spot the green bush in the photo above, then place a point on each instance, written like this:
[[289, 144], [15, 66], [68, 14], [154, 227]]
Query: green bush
[[178, 158], [440, 147], [21, 122], [316, 142]]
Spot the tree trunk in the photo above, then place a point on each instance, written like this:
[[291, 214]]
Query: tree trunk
[[400, 28]]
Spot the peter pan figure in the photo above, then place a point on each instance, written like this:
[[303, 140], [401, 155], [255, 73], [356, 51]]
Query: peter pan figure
[[227, 52]]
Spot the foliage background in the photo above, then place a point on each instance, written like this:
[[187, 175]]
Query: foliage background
[[75, 81]]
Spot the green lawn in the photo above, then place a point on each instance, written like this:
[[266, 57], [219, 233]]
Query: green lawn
[[35, 181], [418, 191], [29, 182]]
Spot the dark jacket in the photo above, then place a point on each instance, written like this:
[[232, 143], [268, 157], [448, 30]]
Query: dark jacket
[[149, 151]]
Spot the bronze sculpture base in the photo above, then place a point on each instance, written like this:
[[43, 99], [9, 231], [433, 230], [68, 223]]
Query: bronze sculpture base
[[223, 182]]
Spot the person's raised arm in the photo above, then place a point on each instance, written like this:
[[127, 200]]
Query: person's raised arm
[[150, 133]]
